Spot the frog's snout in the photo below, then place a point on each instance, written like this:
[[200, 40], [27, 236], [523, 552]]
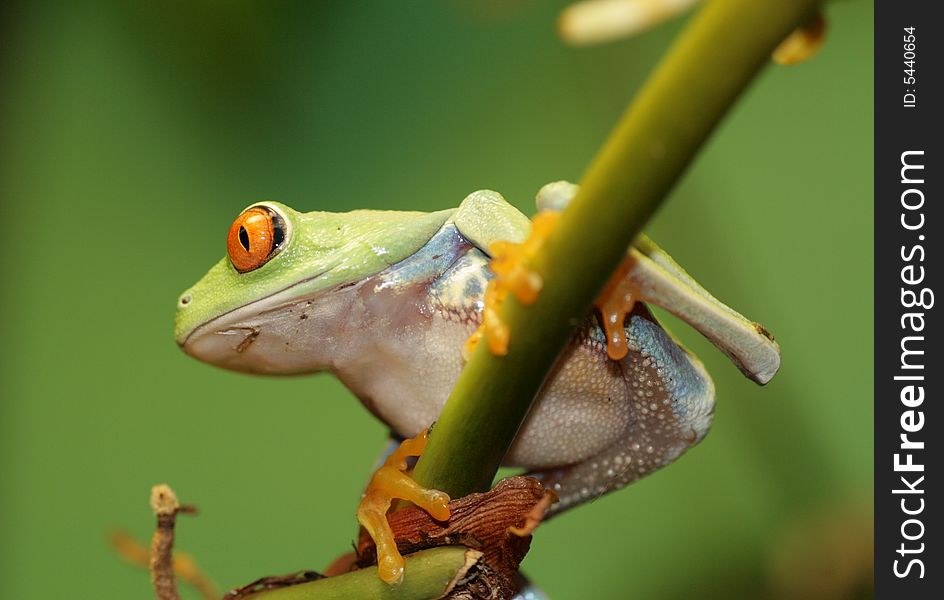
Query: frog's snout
[[183, 304]]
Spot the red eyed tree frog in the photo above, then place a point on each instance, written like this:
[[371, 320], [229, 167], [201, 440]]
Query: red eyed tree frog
[[385, 300]]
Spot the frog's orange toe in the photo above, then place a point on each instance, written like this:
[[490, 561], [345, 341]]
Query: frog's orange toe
[[803, 43], [472, 342], [436, 503], [614, 303], [390, 568], [391, 482]]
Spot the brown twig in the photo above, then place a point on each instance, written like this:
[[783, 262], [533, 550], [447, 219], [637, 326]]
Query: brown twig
[[165, 505], [185, 567]]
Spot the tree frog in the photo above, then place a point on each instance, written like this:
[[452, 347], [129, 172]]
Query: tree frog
[[385, 301]]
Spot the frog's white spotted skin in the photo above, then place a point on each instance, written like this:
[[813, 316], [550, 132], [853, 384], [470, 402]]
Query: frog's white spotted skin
[[395, 338]]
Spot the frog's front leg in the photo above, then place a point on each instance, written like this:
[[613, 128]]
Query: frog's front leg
[[391, 482]]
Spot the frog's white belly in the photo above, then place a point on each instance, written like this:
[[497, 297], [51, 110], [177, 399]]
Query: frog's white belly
[[585, 406]]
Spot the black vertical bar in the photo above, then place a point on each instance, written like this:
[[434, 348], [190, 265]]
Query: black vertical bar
[[909, 60]]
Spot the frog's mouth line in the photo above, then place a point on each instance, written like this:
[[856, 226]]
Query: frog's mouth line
[[186, 340]]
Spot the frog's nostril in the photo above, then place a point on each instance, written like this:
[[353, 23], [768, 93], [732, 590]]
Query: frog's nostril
[[185, 300]]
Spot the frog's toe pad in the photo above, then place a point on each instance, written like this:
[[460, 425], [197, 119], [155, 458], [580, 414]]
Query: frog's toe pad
[[391, 567], [436, 503]]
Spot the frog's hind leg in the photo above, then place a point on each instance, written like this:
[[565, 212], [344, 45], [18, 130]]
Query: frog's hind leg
[[671, 400], [649, 274], [658, 279]]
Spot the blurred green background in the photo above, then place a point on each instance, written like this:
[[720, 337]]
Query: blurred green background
[[132, 134]]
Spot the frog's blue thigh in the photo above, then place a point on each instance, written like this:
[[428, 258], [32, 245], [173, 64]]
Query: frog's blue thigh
[[671, 404]]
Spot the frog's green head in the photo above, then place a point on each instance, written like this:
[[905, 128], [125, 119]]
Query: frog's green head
[[245, 313]]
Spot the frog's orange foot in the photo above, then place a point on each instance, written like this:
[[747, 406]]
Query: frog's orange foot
[[534, 516], [391, 481], [511, 275], [614, 303], [803, 43]]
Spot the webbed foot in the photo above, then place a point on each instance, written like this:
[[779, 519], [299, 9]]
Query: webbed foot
[[391, 481], [511, 275]]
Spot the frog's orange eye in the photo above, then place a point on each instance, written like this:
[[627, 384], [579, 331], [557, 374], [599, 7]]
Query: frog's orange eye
[[254, 237]]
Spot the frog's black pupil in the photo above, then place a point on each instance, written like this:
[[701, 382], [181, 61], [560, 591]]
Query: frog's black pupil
[[244, 237], [278, 236]]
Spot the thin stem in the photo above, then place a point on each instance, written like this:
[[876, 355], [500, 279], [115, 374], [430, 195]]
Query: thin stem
[[712, 62], [430, 574]]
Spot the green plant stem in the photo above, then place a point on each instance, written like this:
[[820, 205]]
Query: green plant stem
[[429, 574], [711, 63]]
